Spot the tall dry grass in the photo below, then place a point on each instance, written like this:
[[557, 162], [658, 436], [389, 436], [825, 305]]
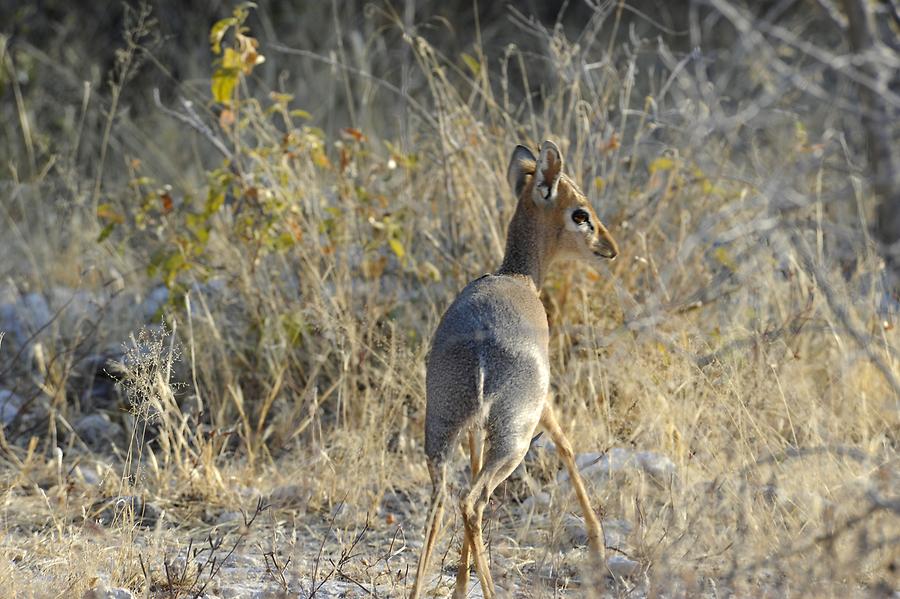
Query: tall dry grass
[[743, 333]]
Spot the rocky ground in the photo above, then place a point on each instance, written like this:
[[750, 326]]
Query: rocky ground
[[536, 549]]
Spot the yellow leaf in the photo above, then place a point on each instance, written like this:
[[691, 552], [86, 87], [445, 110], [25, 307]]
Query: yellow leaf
[[320, 158], [800, 133], [217, 32], [662, 164], [397, 247], [223, 83], [431, 271], [231, 59], [280, 98], [472, 63], [724, 258], [599, 183]]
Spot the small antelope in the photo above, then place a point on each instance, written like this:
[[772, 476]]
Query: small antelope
[[488, 369]]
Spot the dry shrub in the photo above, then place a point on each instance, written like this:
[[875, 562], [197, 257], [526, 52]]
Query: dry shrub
[[742, 333]]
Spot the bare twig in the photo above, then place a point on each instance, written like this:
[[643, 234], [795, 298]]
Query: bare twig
[[194, 121], [876, 120], [420, 110], [839, 309], [834, 15]]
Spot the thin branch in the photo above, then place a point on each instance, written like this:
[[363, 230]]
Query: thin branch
[[192, 120], [834, 15], [421, 110], [849, 66], [839, 309]]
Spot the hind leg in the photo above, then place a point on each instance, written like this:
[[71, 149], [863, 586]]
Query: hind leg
[[462, 574], [564, 448], [432, 527], [505, 452]]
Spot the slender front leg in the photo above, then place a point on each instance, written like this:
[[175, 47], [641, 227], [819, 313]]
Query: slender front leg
[[462, 574], [592, 523]]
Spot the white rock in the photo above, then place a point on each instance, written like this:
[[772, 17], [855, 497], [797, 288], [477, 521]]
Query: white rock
[[35, 311], [601, 466], [540, 445], [249, 591], [347, 514], [104, 592], [155, 299], [622, 567], [97, 429], [616, 532], [575, 530], [230, 517], [539, 500], [289, 495], [88, 475], [10, 405], [656, 465]]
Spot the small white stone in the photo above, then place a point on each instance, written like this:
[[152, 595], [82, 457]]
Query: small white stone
[[10, 404], [616, 532], [622, 567], [599, 467], [538, 500], [104, 592], [97, 430], [575, 530], [230, 517]]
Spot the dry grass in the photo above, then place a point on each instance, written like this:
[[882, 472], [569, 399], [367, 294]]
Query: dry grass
[[742, 334]]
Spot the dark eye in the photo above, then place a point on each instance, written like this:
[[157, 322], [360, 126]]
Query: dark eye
[[579, 217]]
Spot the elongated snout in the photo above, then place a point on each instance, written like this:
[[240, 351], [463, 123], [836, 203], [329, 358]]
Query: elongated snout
[[606, 246]]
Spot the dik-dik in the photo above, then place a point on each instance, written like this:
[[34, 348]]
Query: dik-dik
[[488, 370]]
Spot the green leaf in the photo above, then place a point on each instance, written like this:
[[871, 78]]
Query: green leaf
[[283, 242], [202, 234], [107, 230], [172, 266], [108, 213]]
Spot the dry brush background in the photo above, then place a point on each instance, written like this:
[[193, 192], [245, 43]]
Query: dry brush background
[[225, 245]]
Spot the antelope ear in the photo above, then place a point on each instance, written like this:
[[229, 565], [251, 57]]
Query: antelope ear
[[519, 168], [549, 169]]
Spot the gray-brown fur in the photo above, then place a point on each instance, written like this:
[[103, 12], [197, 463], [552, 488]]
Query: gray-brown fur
[[487, 365], [488, 368]]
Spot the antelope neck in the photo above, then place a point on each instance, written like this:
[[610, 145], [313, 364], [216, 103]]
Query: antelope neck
[[527, 251]]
